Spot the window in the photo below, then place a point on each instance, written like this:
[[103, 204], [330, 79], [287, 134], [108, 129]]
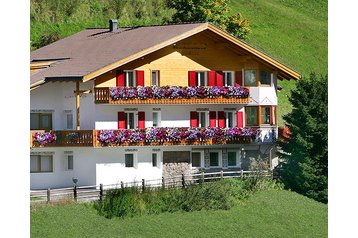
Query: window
[[155, 160], [41, 163], [250, 77], [195, 159], [231, 157], [132, 120], [265, 78], [201, 79], [68, 121], [203, 119], [129, 160], [41, 121], [214, 159], [130, 79], [228, 78], [230, 119], [266, 115], [155, 78], [156, 119], [251, 114], [69, 162]]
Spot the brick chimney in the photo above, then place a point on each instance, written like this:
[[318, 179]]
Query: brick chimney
[[113, 25]]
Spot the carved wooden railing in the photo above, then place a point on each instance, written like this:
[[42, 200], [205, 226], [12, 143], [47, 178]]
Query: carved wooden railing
[[88, 138], [102, 96], [72, 138]]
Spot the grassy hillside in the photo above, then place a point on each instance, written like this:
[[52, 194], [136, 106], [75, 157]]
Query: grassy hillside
[[293, 32], [270, 213]]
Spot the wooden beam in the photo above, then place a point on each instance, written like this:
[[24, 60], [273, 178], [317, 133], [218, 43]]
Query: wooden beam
[[78, 105]]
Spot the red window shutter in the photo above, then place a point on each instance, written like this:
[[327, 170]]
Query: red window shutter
[[120, 78], [219, 78], [192, 78], [211, 76], [238, 78], [141, 120], [221, 119], [193, 119], [121, 120], [140, 77], [240, 119], [212, 118]]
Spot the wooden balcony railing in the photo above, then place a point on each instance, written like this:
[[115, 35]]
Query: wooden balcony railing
[[88, 138], [64, 138], [102, 96]]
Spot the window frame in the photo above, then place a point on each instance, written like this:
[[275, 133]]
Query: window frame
[[197, 73], [158, 159], [126, 79], [270, 77], [135, 117], [134, 161], [232, 78], [237, 159], [234, 119], [256, 78], [39, 115], [67, 162], [207, 119], [157, 78], [159, 118], [273, 115], [257, 116], [66, 121], [39, 158], [262, 108], [201, 159], [219, 158]]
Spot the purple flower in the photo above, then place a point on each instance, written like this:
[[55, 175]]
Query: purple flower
[[44, 137], [107, 136]]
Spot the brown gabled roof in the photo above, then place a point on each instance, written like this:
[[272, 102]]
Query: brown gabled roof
[[92, 52]]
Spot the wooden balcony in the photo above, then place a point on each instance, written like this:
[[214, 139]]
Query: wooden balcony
[[102, 96], [88, 138]]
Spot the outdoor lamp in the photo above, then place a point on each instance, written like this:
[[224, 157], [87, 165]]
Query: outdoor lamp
[[75, 180]]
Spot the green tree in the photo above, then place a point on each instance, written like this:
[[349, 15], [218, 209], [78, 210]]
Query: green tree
[[304, 166], [214, 11]]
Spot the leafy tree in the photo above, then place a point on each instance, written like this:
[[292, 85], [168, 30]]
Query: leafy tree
[[214, 11], [304, 166]]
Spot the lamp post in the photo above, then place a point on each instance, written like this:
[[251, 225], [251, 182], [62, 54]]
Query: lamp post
[[75, 180]]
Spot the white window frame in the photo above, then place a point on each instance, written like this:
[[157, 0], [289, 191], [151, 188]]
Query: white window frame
[[220, 158], [232, 77], [158, 159], [39, 164], [135, 114], [126, 79], [157, 77], [234, 119], [198, 78], [67, 157], [201, 159], [67, 113], [237, 158], [159, 118], [206, 118], [135, 160]]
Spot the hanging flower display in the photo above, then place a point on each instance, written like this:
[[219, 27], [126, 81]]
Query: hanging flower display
[[44, 137]]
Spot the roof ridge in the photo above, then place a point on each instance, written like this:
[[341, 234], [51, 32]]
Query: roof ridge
[[164, 24]]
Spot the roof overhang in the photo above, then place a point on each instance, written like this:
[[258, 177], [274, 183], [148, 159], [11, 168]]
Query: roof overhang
[[284, 71]]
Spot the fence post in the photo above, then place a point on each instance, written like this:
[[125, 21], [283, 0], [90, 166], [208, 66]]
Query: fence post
[[75, 193], [100, 191], [163, 183], [143, 185], [122, 185], [202, 177], [48, 195], [242, 174], [183, 180], [222, 174]]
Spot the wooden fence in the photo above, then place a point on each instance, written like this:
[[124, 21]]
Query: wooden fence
[[96, 192]]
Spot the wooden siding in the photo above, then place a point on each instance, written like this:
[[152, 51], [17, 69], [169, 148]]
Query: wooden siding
[[197, 53]]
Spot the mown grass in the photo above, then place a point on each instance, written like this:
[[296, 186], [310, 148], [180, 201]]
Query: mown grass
[[270, 213], [293, 32]]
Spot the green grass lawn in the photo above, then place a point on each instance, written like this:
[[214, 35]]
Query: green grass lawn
[[266, 214]]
